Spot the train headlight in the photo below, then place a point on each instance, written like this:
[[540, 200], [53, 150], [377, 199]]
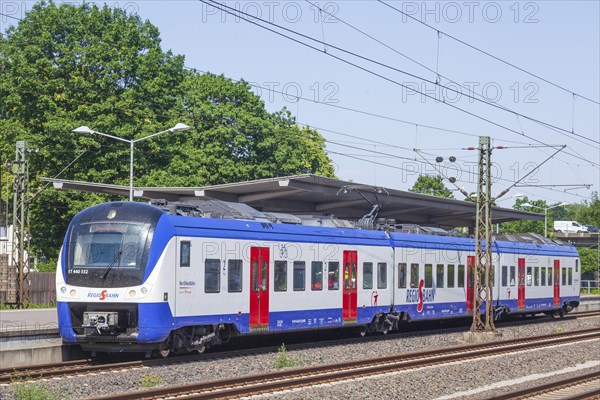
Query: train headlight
[[144, 290], [132, 293], [63, 290], [86, 319], [113, 319], [73, 292]]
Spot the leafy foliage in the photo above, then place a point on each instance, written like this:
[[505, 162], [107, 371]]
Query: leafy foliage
[[284, 360], [68, 65], [590, 260], [431, 185]]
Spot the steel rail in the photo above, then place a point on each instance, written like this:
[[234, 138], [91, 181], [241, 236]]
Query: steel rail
[[302, 377], [554, 386]]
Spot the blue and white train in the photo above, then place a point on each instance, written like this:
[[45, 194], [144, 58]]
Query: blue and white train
[[133, 277]]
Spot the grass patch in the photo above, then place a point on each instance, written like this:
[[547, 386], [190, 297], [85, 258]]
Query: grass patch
[[560, 330], [151, 380], [37, 391], [285, 361], [592, 291]]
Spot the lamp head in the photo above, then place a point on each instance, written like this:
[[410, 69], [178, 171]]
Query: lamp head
[[179, 127], [83, 129]]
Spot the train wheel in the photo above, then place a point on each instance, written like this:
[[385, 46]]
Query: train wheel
[[364, 330], [161, 353], [201, 349]]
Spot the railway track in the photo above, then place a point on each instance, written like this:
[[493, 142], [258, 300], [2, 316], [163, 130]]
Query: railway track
[[305, 377], [90, 366], [585, 386]]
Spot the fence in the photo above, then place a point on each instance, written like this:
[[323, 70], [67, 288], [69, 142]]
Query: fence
[[42, 287], [587, 286]]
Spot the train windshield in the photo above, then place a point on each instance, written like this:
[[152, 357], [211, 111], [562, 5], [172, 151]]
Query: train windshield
[[108, 254]]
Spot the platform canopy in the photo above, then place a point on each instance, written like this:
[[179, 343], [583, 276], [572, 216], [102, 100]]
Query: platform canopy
[[315, 195]]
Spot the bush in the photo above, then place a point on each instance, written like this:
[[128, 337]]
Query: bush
[[284, 361], [37, 391]]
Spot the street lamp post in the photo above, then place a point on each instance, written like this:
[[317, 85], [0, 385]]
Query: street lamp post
[[84, 129], [545, 213]]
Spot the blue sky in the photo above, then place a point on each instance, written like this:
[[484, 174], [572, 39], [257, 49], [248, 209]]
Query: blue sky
[[556, 40]]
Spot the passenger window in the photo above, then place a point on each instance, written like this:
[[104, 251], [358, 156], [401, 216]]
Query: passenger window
[[367, 275], [570, 276], [381, 275], [512, 275], [280, 276], [504, 276], [234, 276], [549, 276], [334, 275], [428, 275], [316, 275], [529, 277], [299, 275], [461, 276], [543, 277], [212, 276], [450, 275], [414, 275], [401, 275], [439, 277], [184, 254], [564, 276], [536, 276]]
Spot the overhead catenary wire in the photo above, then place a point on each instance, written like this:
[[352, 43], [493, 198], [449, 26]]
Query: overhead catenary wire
[[252, 19], [236, 12], [490, 55]]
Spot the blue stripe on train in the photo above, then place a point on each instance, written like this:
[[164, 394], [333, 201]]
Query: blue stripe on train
[[156, 320]]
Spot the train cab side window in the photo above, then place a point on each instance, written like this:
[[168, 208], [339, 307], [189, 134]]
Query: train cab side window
[[564, 276], [401, 275], [316, 275], [570, 276], [184, 254], [299, 275], [368, 275], [333, 277], [536, 276], [428, 275], [576, 265], [504, 276], [381, 275], [461, 276], [414, 275], [513, 275], [439, 276], [212, 276], [280, 276], [234, 276], [529, 277], [450, 275]]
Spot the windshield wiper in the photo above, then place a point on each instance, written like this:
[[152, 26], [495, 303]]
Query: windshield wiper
[[112, 264]]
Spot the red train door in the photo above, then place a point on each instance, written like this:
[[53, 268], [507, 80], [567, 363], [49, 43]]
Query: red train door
[[259, 287], [556, 282], [349, 302], [521, 280], [470, 283]]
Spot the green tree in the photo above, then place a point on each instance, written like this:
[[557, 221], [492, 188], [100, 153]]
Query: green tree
[[65, 65], [590, 260], [589, 212], [431, 185], [527, 226]]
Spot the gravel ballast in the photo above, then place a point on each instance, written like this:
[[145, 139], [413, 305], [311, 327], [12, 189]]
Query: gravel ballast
[[426, 383]]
